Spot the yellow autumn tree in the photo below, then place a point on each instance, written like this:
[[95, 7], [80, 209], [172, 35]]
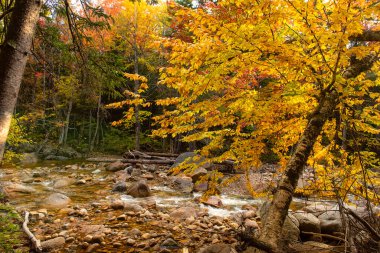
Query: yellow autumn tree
[[300, 74]]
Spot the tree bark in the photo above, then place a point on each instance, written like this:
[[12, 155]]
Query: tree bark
[[67, 123], [13, 57]]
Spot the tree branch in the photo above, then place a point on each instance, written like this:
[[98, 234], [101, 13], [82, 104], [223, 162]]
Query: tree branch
[[6, 12], [367, 35]]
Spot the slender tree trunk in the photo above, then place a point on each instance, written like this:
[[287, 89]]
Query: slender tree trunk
[[278, 210], [137, 85], [97, 124], [67, 122], [13, 56], [90, 130]]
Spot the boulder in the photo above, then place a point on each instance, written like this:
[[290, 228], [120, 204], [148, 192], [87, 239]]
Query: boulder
[[56, 200], [139, 190], [213, 201], [53, 244], [183, 184], [330, 222], [308, 222], [183, 213], [68, 152], [200, 187], [116, 166], [60, 183], [218, 248], [120, 187]]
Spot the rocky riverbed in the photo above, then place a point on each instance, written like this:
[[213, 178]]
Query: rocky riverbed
[[101, 207]]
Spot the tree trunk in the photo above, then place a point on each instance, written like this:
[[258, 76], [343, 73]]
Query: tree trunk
[[278, 210], [137, 85], [67, 123], [97, 124], [13, 56]]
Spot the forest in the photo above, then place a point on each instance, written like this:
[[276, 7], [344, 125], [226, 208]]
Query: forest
[[190, 126]]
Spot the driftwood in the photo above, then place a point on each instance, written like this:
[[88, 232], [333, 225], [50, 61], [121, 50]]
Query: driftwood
[[35, 242], [162, 154], [104, 160]]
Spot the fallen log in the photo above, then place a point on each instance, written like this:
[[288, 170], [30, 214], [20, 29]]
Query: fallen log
[[162, 154], [144, 161], [104, 160], [35, 242]]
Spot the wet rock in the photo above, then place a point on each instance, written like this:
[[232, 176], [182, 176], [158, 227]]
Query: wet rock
[[121, 175], [56, 200], [53, 244], [183, 184], [116, 166], [213, 201], [120, 187], [136, 172], [97, 171], [218, 248], [10, 188], [60, 183], [183, 213], [135, 232], [148, 176], [139, 190]]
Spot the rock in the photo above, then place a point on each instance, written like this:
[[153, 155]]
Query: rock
[[308, 222], [251, 224], [218, 248], [68, 152], [117, 204], [249, 214], [139, 190], [56, 200], [56, 157], [131, 242], [116, 166], [169, 244], [148, 176], [200, 187], [120, 187], [214, 201], [29, 158], [183, 213], [53, 244], [97, 171], [183, 184], [135, 232], [317, 208], [10, 188], [330, 222], [132, 207], [60, 183], [197, 174], [290, 230], [92, 247], [190, 157]]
